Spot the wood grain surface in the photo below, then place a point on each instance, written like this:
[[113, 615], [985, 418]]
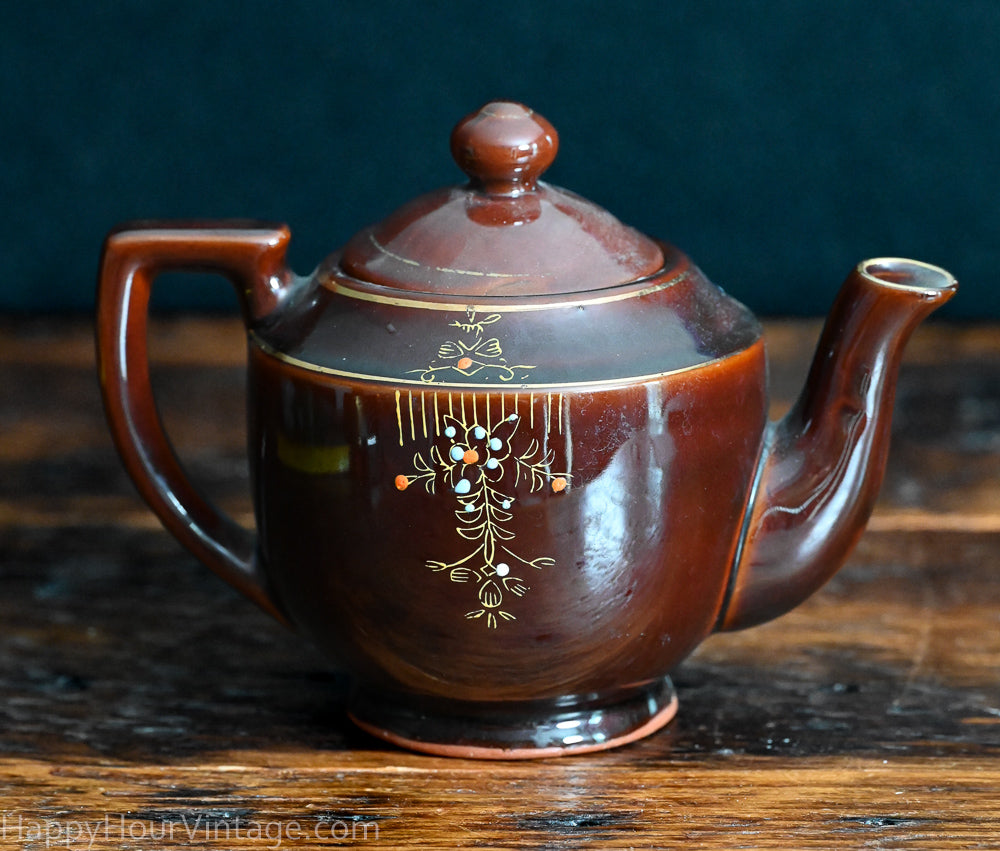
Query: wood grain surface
[[143, 704]]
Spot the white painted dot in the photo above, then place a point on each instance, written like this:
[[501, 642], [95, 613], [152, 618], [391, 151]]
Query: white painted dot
[[463, 486], [506, 503], [503, 569], [512, 418]]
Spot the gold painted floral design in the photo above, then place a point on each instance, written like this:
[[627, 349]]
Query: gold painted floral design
[[472, 355], [483, 461], [484, 449]]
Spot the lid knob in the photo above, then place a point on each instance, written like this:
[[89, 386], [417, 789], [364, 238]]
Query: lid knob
[[504, 147]]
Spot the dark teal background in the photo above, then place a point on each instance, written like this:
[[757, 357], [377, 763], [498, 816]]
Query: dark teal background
[[777, 142]]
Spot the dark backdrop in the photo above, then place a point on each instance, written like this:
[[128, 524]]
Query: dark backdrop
[[777, 142]]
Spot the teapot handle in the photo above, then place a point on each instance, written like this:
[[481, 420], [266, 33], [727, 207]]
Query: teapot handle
[[252, 257]]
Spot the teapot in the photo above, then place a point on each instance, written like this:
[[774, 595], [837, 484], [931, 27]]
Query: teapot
[[511, 459]]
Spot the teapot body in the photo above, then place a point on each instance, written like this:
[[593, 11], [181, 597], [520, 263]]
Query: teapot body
[[474, 503]]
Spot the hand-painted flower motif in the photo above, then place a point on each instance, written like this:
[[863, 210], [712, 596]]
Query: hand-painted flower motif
[[473, 355], [483, 457], [483, 463], [477, 451]]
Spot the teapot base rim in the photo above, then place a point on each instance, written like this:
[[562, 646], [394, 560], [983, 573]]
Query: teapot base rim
[[549, 729]]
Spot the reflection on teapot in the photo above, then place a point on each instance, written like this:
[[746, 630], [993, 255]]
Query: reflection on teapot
[[511, 459]]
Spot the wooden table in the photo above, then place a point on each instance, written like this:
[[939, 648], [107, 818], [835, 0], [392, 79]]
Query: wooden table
[[143, 704]]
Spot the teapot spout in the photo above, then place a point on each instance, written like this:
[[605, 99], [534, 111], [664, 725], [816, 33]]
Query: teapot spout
[[821, 466]]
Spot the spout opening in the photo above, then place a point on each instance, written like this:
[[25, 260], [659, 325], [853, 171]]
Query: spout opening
[[908, 275]]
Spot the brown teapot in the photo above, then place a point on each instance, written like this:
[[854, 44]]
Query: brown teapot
[[511, 459]]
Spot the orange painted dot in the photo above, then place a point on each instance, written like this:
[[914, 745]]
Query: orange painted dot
[[402, 483], [464, 363], [559, 484], [470, 456]]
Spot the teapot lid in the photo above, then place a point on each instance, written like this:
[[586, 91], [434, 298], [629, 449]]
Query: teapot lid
[[505, 232]]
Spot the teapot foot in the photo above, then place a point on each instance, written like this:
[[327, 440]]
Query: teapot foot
[[532, 730]]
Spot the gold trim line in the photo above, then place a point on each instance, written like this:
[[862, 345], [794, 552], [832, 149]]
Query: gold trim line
[[506, 304]]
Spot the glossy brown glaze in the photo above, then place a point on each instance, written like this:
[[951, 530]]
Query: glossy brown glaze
[[252, 257], [385, 516], [509, 500], [504, 148], [823, 464], [504, 233]]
